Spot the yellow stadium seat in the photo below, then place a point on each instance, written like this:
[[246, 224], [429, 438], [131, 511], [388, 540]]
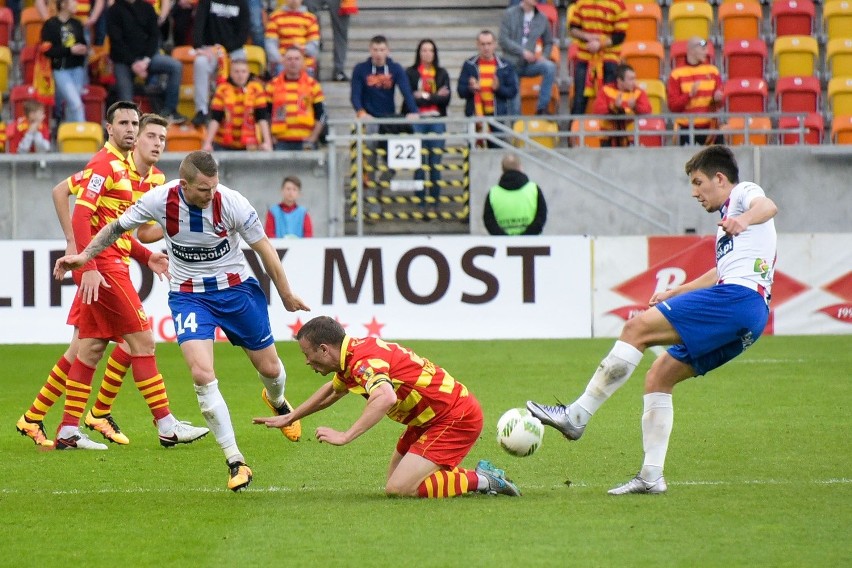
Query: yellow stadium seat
[[740, 20], [80, 137], [184, 138], [186, 100], [256, 57], [795, 56], [689, 19], [656, 91], [840, 96], [838, 55], [837, 18], [841, 130], [541, 131], [758, 130], [646, 58], [5, 67], [643, 21]]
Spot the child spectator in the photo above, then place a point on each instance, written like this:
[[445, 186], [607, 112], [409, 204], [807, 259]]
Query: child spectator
[[289, 219], [29, 133]]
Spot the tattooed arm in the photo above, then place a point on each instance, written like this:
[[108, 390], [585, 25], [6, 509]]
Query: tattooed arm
[[100, 242]]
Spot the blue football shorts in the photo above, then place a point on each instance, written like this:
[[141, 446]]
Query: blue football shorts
[[716, 324], [240, 311]]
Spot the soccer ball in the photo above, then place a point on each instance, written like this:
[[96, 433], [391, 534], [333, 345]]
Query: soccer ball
[[519, 432]]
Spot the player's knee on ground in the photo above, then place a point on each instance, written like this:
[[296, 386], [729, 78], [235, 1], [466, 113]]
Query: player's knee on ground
[[395, 489]]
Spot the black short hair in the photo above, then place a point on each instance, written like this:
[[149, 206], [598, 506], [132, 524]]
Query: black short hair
[[120, 105], [378, 39], [621, 70], [714, 159], [322, 330]]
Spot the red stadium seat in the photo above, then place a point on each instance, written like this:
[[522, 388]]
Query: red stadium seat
[[792, 17], [677, 53], [798, 94], [744, 58], [653, 125], [21, 93], [27, 62], [6, 26], [813, 129], [746, 95], [94, 103]]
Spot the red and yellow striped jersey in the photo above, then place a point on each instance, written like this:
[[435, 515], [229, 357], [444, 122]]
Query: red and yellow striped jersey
[[293, 28], [679, 89], [237, 128], [424, 390], [293, 102], [602, 18]]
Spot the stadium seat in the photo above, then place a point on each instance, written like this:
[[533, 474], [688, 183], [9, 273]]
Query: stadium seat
[[530, 87], [795, 56], [256, 57], [744, 58], [6, 26], [552, 15], [31, 23], [841, 130], [837, 19], [759, 128], [688, 19], [590, 126], [798, 94], [740, 20], [541, 131], [840, 96], [94, 103], [656, 91], [746, 95], [838, 57], [654, 125], [677, 53], [643, 21], [20, 93], [144, 103], [186, 55], [184, 138], [80, 137], [813, 129], [792, 17], [186, 100], [27, 62], [5, 68], [646, 58]]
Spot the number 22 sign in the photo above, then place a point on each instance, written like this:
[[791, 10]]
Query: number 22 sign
[[404, 153]]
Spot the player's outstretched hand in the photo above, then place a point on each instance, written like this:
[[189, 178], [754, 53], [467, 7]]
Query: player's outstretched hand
[[294, 303], [732, 226], [159, 265], [274, 421], [331, 436], [66, 263]]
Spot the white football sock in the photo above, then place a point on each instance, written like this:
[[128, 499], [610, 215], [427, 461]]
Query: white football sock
[[275, 385], [215, 412], [166, 424], [613, 372], [657, 421], [482, 484]]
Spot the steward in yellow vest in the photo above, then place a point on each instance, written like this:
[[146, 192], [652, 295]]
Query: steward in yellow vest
[[516, 205]]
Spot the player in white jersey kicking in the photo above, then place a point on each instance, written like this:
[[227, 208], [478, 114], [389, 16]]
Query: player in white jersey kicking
[[708, 321], [211, 286]]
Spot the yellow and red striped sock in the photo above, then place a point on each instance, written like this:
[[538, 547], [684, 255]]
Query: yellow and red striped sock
[[150, 383], [448, 483], [53, 388], [117, 367], [78, 387]]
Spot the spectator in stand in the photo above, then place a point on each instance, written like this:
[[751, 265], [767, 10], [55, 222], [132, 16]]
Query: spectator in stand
[[222, 23], [292, 26], [522, 27], [67, 54], [134, 37], [339, 11], [487, 83], [182, 16], [599, 27], [88, 12], [372, 94], [237, 112], [431, 89], [297, 105], [29, 133], [288, 219], [516, 205], [622, 99], [695, 87]]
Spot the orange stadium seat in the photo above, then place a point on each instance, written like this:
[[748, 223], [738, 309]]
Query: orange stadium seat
[[184, 138], [758, 127], [841, 130], [80, 137], [643, 21], [186, 55], [94, 103], [5, 67], [590, 126], [837, 18], [541, 131], [688, 19], [654, 126], [795, 55], [646, 58], [677, 53], [6, 26], [31, 23], [792, 17], [256, 57], [838, 57], [744, 58], [798, 94], [740, 20], [840, 96], [814, 128], [746, 95], [530, 87], [656, 91]]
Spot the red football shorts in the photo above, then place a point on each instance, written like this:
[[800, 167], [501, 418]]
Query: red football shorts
[[448, 441], [117, 312]]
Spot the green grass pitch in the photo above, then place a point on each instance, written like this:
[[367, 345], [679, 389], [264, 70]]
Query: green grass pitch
[[759, 472]]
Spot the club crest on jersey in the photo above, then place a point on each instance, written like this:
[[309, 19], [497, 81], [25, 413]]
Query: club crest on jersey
[[96, 182], [724, 246], [219, 229]]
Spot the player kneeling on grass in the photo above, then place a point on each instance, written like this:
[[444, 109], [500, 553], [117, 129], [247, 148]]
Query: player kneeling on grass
[[443, 418]]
